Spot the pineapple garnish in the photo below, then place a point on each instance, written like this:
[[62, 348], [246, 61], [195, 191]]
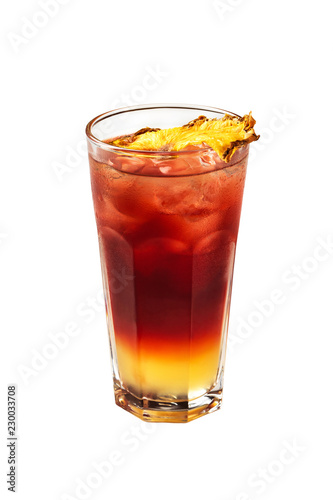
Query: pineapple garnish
[[224, 135]]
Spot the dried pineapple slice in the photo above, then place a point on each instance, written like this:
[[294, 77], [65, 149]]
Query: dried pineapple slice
[[224, 135]]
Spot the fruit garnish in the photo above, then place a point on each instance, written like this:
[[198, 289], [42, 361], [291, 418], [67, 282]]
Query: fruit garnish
[[224, 135]]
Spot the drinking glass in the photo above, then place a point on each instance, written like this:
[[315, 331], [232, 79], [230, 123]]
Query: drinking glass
[[167, 225]]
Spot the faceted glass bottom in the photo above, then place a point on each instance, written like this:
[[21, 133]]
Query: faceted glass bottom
[[169, 411]]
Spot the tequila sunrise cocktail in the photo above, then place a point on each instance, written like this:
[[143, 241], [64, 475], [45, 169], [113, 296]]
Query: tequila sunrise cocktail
[[167, 223]]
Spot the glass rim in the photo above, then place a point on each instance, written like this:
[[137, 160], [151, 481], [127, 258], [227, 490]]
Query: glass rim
[[108, 147]]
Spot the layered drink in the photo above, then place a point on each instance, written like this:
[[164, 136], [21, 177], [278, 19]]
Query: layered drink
[[167, 216]]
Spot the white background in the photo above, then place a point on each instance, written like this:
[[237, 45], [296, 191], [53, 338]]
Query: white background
[[270, 57]]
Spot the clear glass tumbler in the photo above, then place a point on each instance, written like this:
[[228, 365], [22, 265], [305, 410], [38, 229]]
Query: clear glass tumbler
[[167, 226]]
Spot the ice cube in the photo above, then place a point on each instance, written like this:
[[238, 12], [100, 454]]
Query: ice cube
[[131, 164], [151, 254], [214, 241], [208, 159]]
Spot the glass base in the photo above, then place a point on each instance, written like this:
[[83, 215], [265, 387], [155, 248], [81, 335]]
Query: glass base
[[172, 411]]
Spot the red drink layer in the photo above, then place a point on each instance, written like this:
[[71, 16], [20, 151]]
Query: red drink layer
[[167, 230]]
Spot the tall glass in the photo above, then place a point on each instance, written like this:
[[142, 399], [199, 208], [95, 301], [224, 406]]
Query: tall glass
[[167, 225]]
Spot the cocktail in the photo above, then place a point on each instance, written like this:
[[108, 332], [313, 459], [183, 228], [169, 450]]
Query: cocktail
[[167, 202]]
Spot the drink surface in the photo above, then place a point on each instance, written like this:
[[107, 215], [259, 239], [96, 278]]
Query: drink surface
[[167, 229]]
